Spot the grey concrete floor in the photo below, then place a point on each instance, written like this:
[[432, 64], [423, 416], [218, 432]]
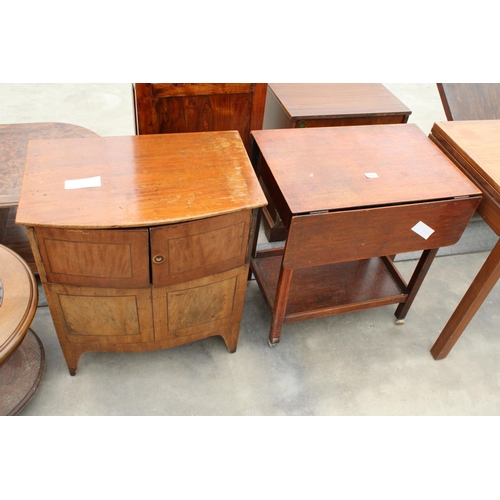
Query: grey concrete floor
[[353, 364]]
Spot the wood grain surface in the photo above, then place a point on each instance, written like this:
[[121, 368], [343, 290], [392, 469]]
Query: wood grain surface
[[145, 180]]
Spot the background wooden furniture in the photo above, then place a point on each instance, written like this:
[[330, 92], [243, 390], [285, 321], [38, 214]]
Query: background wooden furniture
[[13, 145], [199, 107], [474, 147], [470, 101], [351, 198], [155, 257], [22, 357], [299, 105]]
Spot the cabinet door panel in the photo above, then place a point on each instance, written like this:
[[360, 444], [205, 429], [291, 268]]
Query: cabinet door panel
[[200, 305], [103, 315], [184, 252], [107, 258]]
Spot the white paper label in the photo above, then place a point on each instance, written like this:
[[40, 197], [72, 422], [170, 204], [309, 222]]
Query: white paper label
[[422, 230], [372, 175], [83, 183]]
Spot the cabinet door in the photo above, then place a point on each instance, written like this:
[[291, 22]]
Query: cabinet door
[[115, 258], [163, 108], [101, 315], [200, 306], [192, 250]]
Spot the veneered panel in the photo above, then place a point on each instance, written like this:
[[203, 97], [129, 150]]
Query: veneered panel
[[95, 257], [200, 305], [183, 252], [105, 315]]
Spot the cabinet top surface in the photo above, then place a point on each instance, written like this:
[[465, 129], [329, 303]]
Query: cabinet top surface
[[307, 100], [13, 144], [478, 141], [144, 180], [334, 168]]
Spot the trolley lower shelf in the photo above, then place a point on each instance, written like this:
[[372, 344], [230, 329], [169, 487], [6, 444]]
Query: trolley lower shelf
[[332, 289]]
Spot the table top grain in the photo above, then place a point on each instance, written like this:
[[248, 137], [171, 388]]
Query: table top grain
[[479, 142], [324, 100], [145, 180], [332, 168]]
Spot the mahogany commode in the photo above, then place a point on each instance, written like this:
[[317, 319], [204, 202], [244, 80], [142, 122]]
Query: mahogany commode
[[351, 198], [151, 249], [474, 146]]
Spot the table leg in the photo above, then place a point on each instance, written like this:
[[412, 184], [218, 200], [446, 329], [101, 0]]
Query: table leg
[[280, 302], [478, 291], [254, 237], [4, 215], [416, 280]]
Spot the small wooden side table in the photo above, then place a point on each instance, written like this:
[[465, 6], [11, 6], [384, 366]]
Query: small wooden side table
[[22, 357], [13, 145], [141, 242], [300, 105], [351, 198], [475, 148]]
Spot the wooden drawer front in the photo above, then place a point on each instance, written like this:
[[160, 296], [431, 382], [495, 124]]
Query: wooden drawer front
[[184, 252], [343, 121], [101, 314], [200, 305], [107, 258], [326, 238]]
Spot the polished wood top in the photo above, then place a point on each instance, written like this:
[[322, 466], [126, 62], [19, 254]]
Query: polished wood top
[[145, 180], [470, 101], [326, 168], [18, 301], [13, 144], [322, 100], [478, 141]]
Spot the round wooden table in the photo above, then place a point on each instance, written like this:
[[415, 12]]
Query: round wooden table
[[22, 357]]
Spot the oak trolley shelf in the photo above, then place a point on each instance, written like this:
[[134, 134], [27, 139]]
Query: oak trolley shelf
[[141, 242], [351, 198]]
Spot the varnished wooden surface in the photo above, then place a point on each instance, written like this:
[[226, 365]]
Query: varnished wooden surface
[[324, 168], [146, 180], [478, 142], [470, 101], [313, 296], [199, 107], [19, 302], [13, 145], [328, 100], [474, 146]]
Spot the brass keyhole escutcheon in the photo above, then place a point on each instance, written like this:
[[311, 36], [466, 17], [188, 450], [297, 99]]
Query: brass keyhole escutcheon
[[158, 259]]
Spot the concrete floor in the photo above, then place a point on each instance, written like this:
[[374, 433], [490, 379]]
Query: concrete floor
[[353, 364]]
